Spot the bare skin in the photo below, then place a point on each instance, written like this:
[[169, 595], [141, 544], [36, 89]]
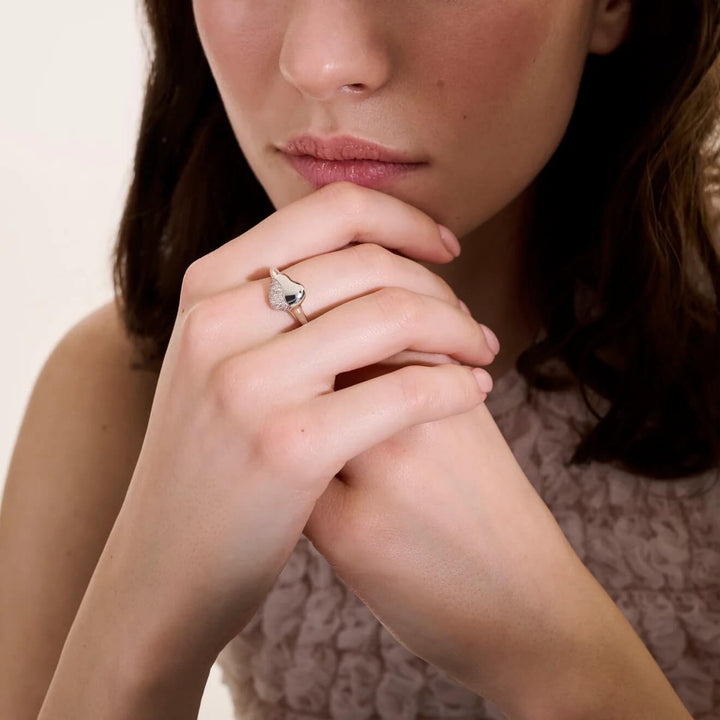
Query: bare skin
[[485, 109], [491, 104], [489, 282], [243, 451]]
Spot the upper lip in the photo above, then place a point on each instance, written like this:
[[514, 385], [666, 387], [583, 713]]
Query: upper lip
[[342, 147]]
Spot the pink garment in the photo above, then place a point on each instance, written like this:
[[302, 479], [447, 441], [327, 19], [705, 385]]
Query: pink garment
[[313, 650]]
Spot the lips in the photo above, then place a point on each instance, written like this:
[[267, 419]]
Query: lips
[[344, 147], [322, 161]]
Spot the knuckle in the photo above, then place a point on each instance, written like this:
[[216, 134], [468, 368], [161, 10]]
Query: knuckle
[[413, 387], [234, 387], [400, 304], [446, 291], [434, 387], [375, 259], [192, 282], [347, 198], [458, 385], [197, 326]]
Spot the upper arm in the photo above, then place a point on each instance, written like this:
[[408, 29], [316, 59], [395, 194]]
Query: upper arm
[[74, 456]]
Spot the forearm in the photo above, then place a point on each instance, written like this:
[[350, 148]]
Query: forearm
[[593, 668], [123, 658], [611, 676], [94, 680]]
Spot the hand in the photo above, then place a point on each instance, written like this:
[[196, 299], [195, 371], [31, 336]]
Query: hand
[[439, 532], [245, 431]]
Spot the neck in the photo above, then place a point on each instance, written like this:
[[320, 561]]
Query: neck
[[487, 277]]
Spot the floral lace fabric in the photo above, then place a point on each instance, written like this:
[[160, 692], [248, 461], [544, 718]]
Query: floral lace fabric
[[313, 650]]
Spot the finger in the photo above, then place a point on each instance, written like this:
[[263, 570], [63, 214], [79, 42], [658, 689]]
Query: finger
[[326, 220], [401, 359], [365, 331], [330, 280], [334, 278], [340, 425]]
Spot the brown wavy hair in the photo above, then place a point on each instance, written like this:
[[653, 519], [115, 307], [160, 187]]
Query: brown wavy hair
[[626, 216]]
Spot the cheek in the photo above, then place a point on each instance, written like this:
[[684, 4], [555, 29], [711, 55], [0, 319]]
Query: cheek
[[499, 97], [493, 56], [235, 36], [485, 58], [512, 44]]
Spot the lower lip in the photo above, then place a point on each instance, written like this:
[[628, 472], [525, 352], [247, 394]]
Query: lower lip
[[368, 173]]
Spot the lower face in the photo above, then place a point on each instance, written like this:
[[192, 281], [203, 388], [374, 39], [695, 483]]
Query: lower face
[[481, 91]]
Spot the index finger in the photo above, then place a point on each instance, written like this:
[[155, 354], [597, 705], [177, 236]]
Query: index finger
[[329, 219]]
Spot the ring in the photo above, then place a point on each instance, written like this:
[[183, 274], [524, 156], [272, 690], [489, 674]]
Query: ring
[[286, 294]]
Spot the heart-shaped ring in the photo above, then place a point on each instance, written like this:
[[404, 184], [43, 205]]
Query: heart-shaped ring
[[286, 294]]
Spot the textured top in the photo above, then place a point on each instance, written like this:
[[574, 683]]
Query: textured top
[[313, 650]]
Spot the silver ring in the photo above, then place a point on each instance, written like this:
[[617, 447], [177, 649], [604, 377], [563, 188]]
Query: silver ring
[[286, 294]]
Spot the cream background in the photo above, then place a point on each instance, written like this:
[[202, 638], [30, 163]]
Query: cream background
[[72, 76]]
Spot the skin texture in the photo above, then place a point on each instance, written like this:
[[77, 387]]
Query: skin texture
[[483, 91], [488, 588], [429, 511]]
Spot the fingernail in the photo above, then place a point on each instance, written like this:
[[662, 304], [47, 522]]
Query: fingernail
[[484, 379], [491, 338], [449, 240]]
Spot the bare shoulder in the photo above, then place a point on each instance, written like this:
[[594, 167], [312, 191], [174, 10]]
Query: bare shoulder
[[100, 344], [74, 457], [103, 331], [87, 414], [88, 409]]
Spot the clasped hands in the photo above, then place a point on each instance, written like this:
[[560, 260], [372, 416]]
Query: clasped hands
[[348, 430]]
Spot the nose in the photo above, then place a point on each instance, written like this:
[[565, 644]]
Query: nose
[[333, 46]]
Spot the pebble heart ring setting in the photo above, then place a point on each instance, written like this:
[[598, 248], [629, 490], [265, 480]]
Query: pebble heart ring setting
[[286, 294]]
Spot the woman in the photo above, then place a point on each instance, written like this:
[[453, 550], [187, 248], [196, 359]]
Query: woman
[[554, 554]]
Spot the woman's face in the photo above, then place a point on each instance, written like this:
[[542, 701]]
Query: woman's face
[[482, 90]]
